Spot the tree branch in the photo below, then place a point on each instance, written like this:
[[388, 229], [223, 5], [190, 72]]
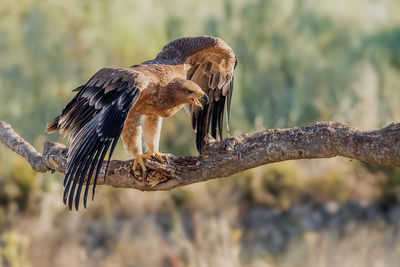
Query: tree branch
[[230, 156]]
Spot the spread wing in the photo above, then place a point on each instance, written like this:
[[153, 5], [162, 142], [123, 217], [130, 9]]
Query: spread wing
[[94, 119], [217, 82], [211, 64]]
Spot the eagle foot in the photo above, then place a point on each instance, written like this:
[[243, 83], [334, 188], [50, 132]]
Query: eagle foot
[[161, 157], [139, 159]]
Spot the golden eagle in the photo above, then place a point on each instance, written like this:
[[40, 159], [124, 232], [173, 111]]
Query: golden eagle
[[193, 72]]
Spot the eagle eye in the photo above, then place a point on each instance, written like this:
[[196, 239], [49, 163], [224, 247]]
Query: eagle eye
[[189, 92]]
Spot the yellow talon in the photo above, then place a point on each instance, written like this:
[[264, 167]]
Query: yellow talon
[[160, 156], [139, 159]]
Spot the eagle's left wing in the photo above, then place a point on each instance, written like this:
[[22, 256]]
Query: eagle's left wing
[[212, 69], [210, 63], [94, 119]]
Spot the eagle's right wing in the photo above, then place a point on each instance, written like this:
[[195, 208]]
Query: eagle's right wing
[[94, 119]]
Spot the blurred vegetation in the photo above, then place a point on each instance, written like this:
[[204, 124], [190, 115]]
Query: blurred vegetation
[[300, 61]]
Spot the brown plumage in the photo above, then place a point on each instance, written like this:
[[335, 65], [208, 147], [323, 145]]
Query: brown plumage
[[129, 102]]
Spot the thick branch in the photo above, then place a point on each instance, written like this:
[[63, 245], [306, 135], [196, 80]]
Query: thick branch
[[232, 155]]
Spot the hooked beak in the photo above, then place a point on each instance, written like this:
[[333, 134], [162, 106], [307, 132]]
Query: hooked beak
[[200, 101]]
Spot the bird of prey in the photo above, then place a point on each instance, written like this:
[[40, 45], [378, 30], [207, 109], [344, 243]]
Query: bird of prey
[[194, 72]]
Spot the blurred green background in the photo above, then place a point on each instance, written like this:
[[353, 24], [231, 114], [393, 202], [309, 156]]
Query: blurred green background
[[298, 62]]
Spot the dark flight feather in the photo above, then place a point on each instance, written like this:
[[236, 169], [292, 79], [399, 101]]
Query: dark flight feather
[[94, 119], [210, 118], [215, 77]]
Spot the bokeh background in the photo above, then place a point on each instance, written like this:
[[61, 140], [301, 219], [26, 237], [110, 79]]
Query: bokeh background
[[299, 62]]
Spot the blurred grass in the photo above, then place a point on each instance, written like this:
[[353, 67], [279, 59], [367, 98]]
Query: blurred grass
[[299, 62]]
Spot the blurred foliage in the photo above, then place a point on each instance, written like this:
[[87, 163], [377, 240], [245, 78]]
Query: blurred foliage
[[14, 252], [299, 61], [390, 186], [17, 184]]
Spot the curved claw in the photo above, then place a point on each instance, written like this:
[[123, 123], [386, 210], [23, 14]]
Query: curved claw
[[162, 157], [139, 159]]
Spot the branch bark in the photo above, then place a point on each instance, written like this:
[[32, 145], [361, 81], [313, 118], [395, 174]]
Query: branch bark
[[232, 155]]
